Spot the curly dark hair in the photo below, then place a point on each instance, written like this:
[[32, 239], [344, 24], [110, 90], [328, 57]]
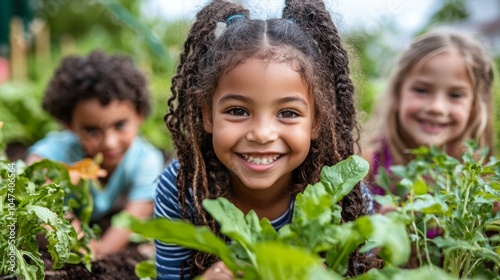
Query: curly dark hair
[[305, 37], [98, 75]]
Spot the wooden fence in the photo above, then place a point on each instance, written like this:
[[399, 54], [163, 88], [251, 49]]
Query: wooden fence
[[34, 40]]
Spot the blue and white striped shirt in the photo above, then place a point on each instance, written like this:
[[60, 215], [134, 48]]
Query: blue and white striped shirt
[[169, 257]]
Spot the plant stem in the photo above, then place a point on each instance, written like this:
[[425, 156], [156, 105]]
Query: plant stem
[[466, 199], [465, 271], [417, 244], [457, 264], [425, 245], [447, 183]]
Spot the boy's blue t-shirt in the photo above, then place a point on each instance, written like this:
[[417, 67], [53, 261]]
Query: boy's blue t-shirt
[[136, 174]]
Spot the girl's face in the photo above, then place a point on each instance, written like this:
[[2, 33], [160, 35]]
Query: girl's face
[[436, 102], [262, 123], [106, 129]]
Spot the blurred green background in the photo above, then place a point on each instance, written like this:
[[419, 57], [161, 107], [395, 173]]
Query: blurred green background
[[52, 29]]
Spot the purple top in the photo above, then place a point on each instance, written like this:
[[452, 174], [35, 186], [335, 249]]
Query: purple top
[[381, 158]]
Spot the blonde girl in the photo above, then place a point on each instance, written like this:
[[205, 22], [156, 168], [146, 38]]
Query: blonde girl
[[440, 93]]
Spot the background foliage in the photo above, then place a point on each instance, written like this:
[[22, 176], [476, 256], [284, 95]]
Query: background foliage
[[77, 27]]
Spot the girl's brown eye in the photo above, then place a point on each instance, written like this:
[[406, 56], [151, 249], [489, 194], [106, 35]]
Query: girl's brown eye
[[237, 112], [456, 95], [420, 90], [287, 114]]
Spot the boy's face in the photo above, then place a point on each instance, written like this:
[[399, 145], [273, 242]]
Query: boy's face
[[106, 129]]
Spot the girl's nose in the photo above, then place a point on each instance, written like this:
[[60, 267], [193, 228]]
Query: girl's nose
[[438, 104], [262, 132]]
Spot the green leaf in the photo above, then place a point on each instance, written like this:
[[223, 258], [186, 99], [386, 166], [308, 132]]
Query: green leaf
[[388, 234], [233, 223], [450, 244], [392, 273], [313, 217], [74, 259], [420, 187], [30, 271], [281, 262], [383, 180], [427, 204], [343, 176], [267, 233], [61, 237], [347, 239], [314, 204], [177, 232], [145, 269], [44, 214], [388, 199]]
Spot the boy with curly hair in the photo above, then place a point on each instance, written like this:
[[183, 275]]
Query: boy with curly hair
[[102, 100]]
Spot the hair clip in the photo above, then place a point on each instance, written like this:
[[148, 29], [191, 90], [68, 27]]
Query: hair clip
[[291, 19], [235, 18]]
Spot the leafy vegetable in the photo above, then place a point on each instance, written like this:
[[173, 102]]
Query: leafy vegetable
[[315, 230], [449, 208], [34, 201]]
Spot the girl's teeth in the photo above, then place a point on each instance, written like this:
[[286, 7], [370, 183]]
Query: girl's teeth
[[264, 160]]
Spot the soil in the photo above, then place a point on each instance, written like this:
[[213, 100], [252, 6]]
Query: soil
[[114, 266], [15, 151]]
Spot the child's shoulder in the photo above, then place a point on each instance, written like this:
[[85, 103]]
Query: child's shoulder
[[58, 145], [142, 148], [172, 168], [61, 136], [168, 178], [143, 155]]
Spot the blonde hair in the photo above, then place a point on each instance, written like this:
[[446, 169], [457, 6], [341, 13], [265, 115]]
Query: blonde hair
[[385, 125]]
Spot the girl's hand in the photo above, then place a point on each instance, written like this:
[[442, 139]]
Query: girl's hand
[[218, 271], [384, 209]]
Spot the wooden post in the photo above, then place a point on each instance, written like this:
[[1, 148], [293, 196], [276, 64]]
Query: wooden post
[[41, 32], [68, 45], [18, 50]]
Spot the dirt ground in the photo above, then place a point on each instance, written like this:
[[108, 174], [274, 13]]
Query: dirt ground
[[15, 151], [115, 266]]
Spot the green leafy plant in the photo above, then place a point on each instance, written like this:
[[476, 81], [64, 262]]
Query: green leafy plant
[[297, 250], [34, 200], [25, 120], [450, 207]]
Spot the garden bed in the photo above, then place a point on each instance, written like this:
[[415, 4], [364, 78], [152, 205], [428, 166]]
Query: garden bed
[[113, 266], [15, 151]]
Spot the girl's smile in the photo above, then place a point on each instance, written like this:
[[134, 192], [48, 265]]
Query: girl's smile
[[260, 163], [433, 127], [261, 159], [436, 101], [262, 123]]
